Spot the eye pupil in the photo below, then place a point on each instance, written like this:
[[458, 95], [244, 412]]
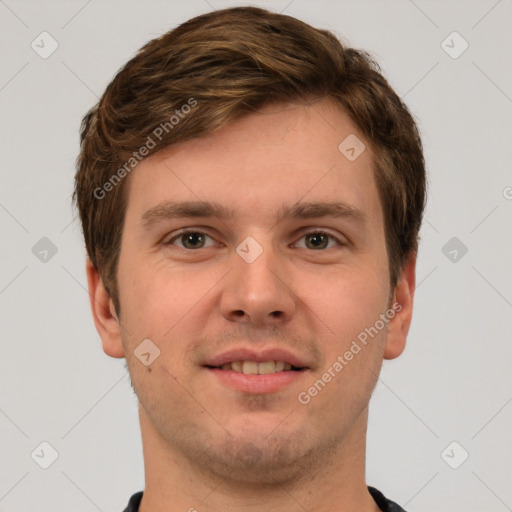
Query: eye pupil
[[191, 240], [319, 240]]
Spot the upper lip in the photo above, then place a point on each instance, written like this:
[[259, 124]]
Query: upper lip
[[247, 354]]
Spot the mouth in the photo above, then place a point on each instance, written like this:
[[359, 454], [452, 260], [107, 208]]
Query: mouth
[[248, 367], [265, 372]]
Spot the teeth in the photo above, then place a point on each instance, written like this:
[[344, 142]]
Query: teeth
[[236, 366], [266, 367], [250, 367], [255, 368]]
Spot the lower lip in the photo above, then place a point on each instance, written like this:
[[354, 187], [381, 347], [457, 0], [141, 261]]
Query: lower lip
[[269, 383]]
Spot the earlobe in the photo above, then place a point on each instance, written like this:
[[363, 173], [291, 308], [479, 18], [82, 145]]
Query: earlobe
[[402, 304], [104, 314]]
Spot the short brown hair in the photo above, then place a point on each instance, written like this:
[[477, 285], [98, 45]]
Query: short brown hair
[[231, 62]]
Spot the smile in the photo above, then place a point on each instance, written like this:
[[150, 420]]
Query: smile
[[258, 368]]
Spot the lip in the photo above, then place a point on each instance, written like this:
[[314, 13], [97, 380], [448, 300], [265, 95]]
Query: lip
[[258, 384], [247, 354]]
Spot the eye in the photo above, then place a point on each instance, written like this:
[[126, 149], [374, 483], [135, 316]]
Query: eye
[[191, 240], [314, 240], [317, 240]]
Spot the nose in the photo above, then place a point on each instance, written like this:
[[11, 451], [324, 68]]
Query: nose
[[258, 293]]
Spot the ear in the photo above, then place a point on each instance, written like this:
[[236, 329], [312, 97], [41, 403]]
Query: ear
[[104, 314], [402, 303]]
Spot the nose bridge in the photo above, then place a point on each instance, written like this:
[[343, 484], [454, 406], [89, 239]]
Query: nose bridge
[[256, 289]]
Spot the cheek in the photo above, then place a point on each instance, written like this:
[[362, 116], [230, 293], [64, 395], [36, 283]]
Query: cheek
[[354, 344], [161, 305], [160, 299], [345, 301]]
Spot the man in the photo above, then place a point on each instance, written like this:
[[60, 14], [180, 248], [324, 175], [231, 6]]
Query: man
[[251, 193]]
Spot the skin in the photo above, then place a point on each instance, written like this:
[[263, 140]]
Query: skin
[[211, 447]]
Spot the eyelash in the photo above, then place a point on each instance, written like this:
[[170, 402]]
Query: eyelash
[[195, 231]]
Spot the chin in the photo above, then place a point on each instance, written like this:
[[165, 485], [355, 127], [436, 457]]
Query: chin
[[261, 459]]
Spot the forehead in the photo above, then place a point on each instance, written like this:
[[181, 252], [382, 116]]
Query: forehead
[[280, 155]]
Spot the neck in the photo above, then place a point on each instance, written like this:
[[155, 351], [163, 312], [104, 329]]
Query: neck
[[174, 484]]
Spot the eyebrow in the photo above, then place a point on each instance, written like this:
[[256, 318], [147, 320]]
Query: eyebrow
[[319, 209], [169, 210], [181, 209]]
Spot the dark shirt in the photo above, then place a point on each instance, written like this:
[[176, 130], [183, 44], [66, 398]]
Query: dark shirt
[[384, 504]]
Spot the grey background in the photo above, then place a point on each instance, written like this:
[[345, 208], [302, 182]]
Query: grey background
[[451, 384]]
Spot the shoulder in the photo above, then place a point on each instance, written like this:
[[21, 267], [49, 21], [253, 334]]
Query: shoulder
[[133, 504], [384, 504]]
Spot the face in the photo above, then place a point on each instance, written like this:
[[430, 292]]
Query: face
[[253, 259]]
